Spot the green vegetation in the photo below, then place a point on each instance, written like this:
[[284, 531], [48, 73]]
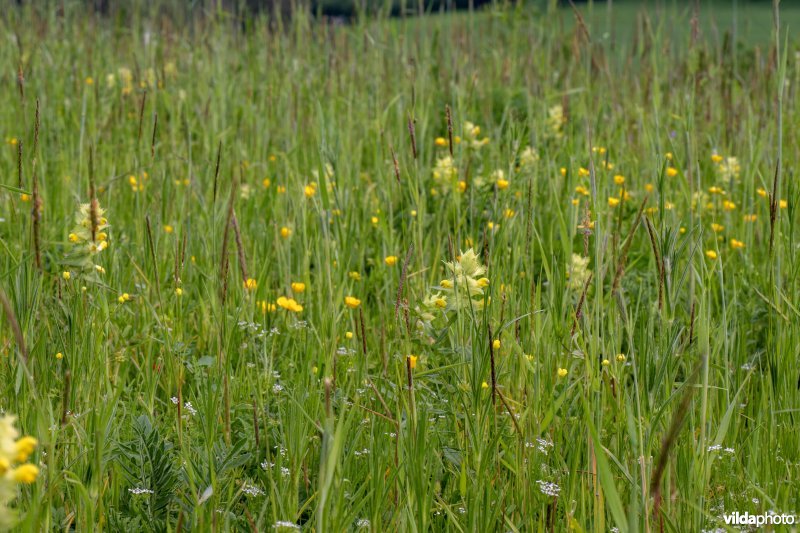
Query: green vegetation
[[518, 270]]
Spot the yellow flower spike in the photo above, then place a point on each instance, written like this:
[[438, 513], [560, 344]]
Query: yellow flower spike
[[24, 448], [562, 372], [298, 287], [250, 284], [390, 260], [352, 302], [25, 474]]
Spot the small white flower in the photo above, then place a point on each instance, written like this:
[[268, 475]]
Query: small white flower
[[548, 488], [139, 490]]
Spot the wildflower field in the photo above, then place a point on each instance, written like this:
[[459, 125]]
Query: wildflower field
[[526, 268]]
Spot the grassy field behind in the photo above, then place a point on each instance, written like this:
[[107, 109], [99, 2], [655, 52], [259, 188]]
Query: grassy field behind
[[517, 270]]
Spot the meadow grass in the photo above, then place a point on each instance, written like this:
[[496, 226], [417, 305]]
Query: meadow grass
[[227, 303]]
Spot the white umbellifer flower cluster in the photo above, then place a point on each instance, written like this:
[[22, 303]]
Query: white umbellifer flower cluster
[[549, 488]]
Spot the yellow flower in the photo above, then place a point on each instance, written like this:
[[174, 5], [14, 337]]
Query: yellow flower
[[716, 158], [25, 474], [619, 179], [250, 284], [25, 197], [310, 190], [440, 142], [390, 260], [717, 227], [750, 218], [562, 372], [73, 238], [66, 275], [168, 228], [621, 357], [24, 448], [374, 221], [761, 192], [672, 172], [289, 304], [784, 204], [355, 276], [178, 291], [298, 287], [483, 282], [59, 355], [266, 182], [727, 205], [711, 254], [285, 232], [484, 385], [508, 213], [583, 172], [281, 189], [649, 187], [606, 362], [563, 171], [613, 202], [352, 302], [462, 186], [440, 302], [412, 361], [89, 81], [496, 344], [580, 189], [446, 284], [736, 245], [348, 335], [502, 184]]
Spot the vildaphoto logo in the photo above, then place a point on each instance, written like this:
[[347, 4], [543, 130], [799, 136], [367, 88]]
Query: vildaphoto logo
[[766, 519]]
